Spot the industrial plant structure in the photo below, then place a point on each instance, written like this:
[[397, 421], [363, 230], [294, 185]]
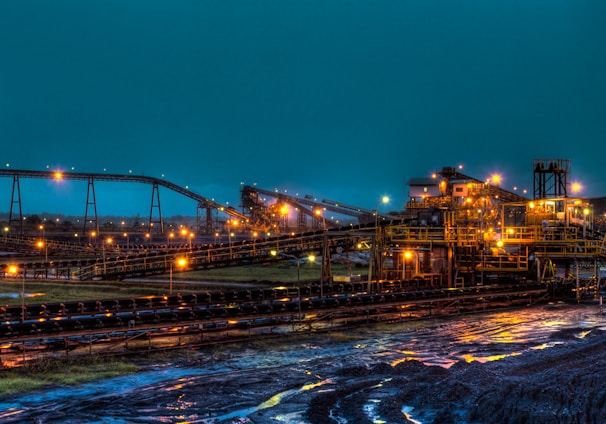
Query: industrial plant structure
[[455, 230]]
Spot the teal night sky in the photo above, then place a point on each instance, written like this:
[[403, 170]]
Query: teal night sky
[[345, 100]]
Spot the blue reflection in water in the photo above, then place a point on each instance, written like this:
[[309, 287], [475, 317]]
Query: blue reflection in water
[[114, 386]]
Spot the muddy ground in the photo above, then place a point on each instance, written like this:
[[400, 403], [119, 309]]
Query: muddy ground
[[562, 384], [535, 365]]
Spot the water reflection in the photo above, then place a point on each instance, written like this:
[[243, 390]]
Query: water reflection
[[371, 406], [482, 359], [13, 295], [407, 412], [269, 403]]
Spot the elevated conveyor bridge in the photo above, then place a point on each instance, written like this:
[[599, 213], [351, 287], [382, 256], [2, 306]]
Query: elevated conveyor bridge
[[92, 262], [263, 215], [155, 216]]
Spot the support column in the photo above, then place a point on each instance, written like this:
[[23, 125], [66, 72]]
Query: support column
[[451, 283], [16, 186], [204, 219], [91, 200], [155, 204], [326, 271], [371, 259]]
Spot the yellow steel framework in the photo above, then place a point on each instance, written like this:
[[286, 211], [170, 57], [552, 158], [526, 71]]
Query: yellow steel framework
[[466, 252]]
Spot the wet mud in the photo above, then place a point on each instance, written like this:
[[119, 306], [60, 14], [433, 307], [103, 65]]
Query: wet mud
[[539, 365]]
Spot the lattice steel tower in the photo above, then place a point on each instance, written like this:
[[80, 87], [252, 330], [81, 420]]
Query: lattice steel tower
[[550, 178]]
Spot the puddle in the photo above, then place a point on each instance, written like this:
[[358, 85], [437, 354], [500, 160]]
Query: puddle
[[18, 295], [273, 401]]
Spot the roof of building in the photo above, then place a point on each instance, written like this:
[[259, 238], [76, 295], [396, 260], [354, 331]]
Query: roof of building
[[422, 182]]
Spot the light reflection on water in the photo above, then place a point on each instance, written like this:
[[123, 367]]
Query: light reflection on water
[[492, 336], [370, 407], [18, 295], [483, 359], [582, 334], [546, 345], [407, 412], [141, 382], [269, 403]]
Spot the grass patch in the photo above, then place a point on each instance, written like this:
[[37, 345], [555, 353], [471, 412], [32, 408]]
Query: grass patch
[[16, 384], [52, 372], [50, 292], [338, 337], [283, 272], [63, 291]]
